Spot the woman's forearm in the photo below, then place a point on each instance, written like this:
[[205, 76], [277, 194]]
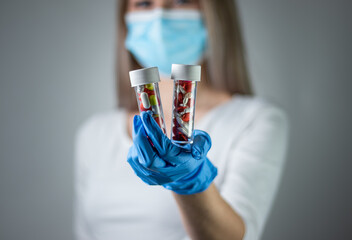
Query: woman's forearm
[[207, 215]]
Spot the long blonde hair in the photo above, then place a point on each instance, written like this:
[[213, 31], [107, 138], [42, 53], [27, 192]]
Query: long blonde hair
[[225, 67]]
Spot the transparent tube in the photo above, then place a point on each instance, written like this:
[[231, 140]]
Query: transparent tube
[[183, 111], [148, 98]]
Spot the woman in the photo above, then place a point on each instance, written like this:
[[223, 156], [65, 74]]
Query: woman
[[234, 191]]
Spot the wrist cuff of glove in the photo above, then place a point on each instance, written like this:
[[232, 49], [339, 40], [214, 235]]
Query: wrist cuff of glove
[[196, 182]]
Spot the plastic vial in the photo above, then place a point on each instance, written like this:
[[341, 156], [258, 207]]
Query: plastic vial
[[185, 84], [145, 82]]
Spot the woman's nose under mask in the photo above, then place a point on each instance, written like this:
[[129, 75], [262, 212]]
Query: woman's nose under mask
[[162, 37]]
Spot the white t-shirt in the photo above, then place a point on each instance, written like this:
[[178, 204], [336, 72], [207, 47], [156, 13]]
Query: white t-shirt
[[249, 137]]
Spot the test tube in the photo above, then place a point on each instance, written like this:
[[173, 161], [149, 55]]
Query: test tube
[[145, 82], [184, 98]]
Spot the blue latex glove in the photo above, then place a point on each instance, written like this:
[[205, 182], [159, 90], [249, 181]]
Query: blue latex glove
[[180, 169]]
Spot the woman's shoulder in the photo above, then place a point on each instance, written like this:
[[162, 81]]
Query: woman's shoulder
[[243, 111], [255, 106], [100, 123], [264, 114], [245, 119]]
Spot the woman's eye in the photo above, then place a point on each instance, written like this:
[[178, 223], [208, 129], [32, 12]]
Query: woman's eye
[[143, 4], [181, 2]]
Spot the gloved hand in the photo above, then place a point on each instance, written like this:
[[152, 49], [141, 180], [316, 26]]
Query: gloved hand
[[180, 169]]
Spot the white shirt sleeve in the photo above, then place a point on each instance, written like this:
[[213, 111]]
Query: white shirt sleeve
[[254, 167]]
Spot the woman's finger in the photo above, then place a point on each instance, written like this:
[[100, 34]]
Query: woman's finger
[[161, 142], [146, 154], [139, 170], [201, 144]]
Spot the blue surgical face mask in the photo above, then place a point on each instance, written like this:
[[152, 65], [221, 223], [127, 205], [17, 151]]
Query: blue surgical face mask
[[162, 37]]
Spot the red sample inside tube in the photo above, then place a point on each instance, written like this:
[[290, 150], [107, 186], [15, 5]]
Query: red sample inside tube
[[184, 98]]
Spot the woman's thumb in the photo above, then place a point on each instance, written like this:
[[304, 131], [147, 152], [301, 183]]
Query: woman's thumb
[[201, 144]]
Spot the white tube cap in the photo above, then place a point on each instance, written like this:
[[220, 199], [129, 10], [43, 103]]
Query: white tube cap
[[185, 72], [144, 76]]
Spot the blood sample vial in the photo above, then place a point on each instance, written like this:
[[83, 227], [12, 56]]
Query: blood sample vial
[[145, 82], [184, 98]]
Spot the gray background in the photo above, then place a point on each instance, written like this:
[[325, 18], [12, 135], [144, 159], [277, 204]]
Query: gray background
[[56, 69]]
